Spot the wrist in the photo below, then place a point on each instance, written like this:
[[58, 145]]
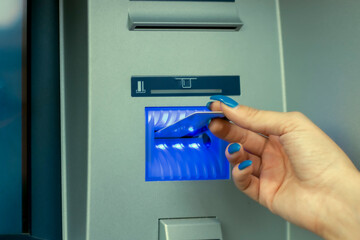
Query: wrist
[[341, 215]]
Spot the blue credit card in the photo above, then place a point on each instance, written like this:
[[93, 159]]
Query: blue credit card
[[190, 126]]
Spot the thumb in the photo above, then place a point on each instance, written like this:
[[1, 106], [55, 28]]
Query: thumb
[[265, 122]]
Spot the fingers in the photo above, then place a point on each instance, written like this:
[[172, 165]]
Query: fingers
[[265, 122], [245, 181], [236, 154], [252, 142], [245, 172]]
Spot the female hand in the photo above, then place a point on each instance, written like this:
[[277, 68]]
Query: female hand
[[293, 168]]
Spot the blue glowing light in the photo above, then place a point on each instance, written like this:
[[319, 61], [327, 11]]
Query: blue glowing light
[[194, 145], [178, 146], [161, 146], [178, 159]]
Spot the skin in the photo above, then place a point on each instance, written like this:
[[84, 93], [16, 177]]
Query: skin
[[298, 172]]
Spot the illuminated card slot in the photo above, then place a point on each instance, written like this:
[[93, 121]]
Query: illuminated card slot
[[190, 126], [170, 156]]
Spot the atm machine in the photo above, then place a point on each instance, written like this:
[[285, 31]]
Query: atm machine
[[129, 70]]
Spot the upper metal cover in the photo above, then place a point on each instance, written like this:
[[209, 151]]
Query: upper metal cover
[[178, 16]]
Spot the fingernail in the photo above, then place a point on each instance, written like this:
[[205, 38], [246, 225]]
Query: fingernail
[[234, 147], [208, 122], [245, 164], [224, 99], [208, 105]]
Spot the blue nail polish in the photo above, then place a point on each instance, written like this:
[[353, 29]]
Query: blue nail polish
[[208, 105], [224, 99], [245, 164], [234, 147], [208, 122]]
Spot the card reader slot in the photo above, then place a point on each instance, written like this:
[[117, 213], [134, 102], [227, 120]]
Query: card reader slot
[[190, 126], [175, 152], [182, 91]]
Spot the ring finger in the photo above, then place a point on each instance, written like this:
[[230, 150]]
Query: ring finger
[[235, 154]]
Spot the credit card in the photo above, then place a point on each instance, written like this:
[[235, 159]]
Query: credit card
[[190, 126]]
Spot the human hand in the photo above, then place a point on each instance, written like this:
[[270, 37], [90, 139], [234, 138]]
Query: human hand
[[295, 169]]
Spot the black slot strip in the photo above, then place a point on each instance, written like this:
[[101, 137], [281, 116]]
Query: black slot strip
[[139, 27], [25, 125]]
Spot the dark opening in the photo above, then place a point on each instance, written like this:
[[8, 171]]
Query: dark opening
[[186, 27]]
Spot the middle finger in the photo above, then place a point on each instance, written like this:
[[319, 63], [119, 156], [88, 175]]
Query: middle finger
[[252, 142]]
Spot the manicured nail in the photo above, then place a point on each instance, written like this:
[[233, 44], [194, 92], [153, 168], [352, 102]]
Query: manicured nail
[[208, 122], [245, 164], [234, 147], [208, 105], [224, 99]]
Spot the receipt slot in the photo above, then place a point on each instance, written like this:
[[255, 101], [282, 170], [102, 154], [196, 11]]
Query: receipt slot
[[138, 160]]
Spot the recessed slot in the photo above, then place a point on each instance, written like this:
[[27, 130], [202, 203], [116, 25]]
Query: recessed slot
[[182, 91], [187, 28]]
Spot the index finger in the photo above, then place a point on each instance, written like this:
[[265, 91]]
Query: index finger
[[264, 122]]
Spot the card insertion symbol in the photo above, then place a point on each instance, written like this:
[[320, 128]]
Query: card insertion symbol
[[185, 81], [140, 87]]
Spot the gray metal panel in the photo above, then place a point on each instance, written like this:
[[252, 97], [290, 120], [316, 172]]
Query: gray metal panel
[[74, 116], [190, 229], [172, 14], [321, 49], [121, 205]]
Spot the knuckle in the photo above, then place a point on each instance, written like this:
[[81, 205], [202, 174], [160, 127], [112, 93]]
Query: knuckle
[[218, 128], [247, 184], [297, 115], [243, 137], [293, 121], [235, 158], [252, 112], [242, 182]]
